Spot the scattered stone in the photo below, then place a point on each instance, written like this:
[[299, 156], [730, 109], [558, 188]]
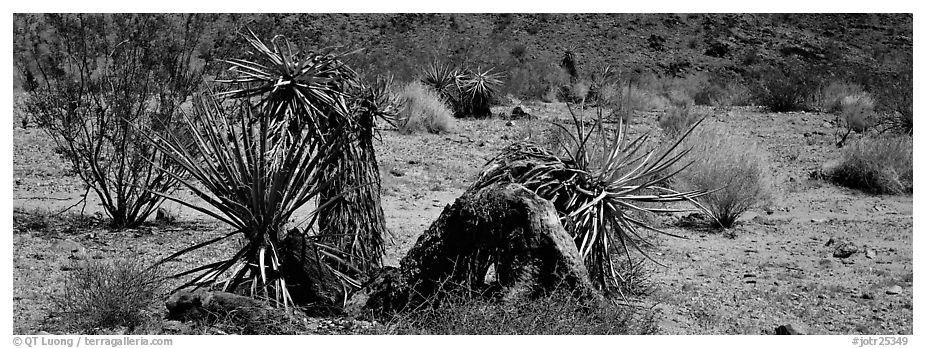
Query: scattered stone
[[68, 245], [749, 275], [173, 326], [520, 111], [867, 295], [413, 162], [894, 290], [790, 329], [196, 305], [843, 249], [827, 125], [165, 216], [870, 253], [397, 172], [509, 124]]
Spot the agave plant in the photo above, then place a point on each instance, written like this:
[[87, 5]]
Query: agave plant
[[595, 190]]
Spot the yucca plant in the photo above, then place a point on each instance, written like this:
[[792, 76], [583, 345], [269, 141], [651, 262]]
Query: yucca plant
[[292, 130], [477, 88], [322, 94], [239, 166], [468, 91], [595, 186]]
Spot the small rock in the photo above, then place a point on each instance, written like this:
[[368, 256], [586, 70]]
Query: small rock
[[396, 172], [520, 111], [790, 329], [845, 250], [509, 123], [173, 326], [827, 125], [413, 162], [894, 290], [165, 216], [870, 253], [867, 296]]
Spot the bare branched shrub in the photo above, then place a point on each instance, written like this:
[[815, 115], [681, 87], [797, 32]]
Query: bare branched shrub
[[423, 109], [109, 293], [733, 168], [98, 78], [784, 89], [880, 165]]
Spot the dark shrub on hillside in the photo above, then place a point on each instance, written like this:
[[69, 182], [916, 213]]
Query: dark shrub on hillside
[[788, 88]]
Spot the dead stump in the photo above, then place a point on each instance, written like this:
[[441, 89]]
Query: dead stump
[[500, 225]]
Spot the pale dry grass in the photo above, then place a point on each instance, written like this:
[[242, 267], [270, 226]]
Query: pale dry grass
[[423, 110]]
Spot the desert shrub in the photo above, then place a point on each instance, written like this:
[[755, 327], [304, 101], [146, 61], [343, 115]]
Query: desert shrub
[[101, 77], [678, 118], [896, 98], [857, 114], [783, 89], [879, 165], [20, 114], [734, 167], [109, 293], [831, 96], [422, 109], [555, 313]]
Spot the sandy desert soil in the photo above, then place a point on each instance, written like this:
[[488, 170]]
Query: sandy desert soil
[[774, 268]]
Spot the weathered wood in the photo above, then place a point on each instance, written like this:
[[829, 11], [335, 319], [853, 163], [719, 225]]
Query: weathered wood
[[310, 282], [504, 225]]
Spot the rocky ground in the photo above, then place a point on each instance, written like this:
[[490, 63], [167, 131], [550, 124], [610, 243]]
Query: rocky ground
[[825, 259]]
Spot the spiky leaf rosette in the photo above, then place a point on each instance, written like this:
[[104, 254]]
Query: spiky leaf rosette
[[249, 181], [477, 88], [316, 97], [594, 191]]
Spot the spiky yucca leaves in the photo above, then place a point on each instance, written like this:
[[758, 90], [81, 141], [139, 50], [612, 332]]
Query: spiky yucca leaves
[[440, 77], [477, 88], [317, 93], [468, 91], [594, 191], [241, 165]]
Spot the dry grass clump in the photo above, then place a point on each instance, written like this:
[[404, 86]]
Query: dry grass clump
[[556, 313], [857, 114], [831, 97], [680, 116], [108, 294], [881, 165], [733, 167], [423, 109]]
